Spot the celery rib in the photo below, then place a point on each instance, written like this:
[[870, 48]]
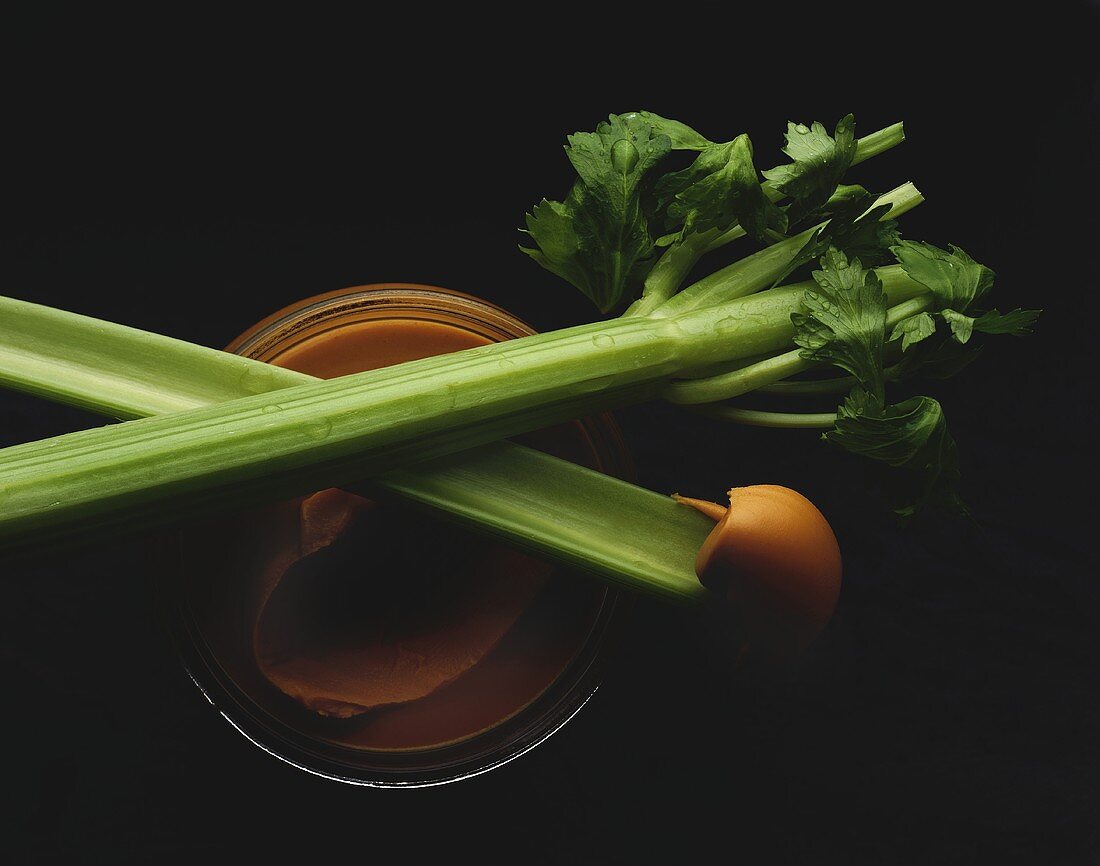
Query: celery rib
[[759, 270], [779, 420], [776, 368], [563, 512], [329, 433], [235, 450]]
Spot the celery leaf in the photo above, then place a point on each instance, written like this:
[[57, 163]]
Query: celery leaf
[[955, 279], [598, 238], [912, 438], [820, 161], [843, 321], [719, 189], [681, 136], [863, 235], [913, 330], [962, 326], [934, 359], [1017, 322]]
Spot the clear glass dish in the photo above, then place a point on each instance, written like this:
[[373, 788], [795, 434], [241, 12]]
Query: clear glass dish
[[567, 641]]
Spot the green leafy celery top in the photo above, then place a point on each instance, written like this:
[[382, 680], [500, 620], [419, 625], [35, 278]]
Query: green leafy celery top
[[598, 238], [844, 323]]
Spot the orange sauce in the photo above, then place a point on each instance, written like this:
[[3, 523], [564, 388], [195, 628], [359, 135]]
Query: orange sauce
[[372, 626]]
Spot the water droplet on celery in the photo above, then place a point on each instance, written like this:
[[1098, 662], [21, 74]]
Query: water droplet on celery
[[257, 380], [599, 383], [317, 429], [603, 341], [624, 156]]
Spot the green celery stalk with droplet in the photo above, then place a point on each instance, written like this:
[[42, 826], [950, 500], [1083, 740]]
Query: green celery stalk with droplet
[[329, 433], [319, 434]]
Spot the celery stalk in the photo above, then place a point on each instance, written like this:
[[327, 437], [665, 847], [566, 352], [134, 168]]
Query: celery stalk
[[566, 513], [328, 433], [322, 434]]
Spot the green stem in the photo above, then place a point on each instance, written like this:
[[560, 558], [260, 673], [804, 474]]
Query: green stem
[[911, 307], [565, 513], [757, 418], [767, 372], [328, 433], [324, 434], [758, 271], [878, 142], [673, 267], [836, 385], [620, 533], [909, 298], [737, 382]]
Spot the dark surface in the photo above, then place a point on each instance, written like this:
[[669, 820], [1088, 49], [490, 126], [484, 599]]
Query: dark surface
[[951, 714]]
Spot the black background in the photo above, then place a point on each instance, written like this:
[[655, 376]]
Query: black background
[[951, 714]]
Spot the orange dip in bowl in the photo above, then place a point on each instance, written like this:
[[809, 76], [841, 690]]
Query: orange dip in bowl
[[362, 629]]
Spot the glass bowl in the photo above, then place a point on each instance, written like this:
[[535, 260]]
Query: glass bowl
[[559, 649]]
